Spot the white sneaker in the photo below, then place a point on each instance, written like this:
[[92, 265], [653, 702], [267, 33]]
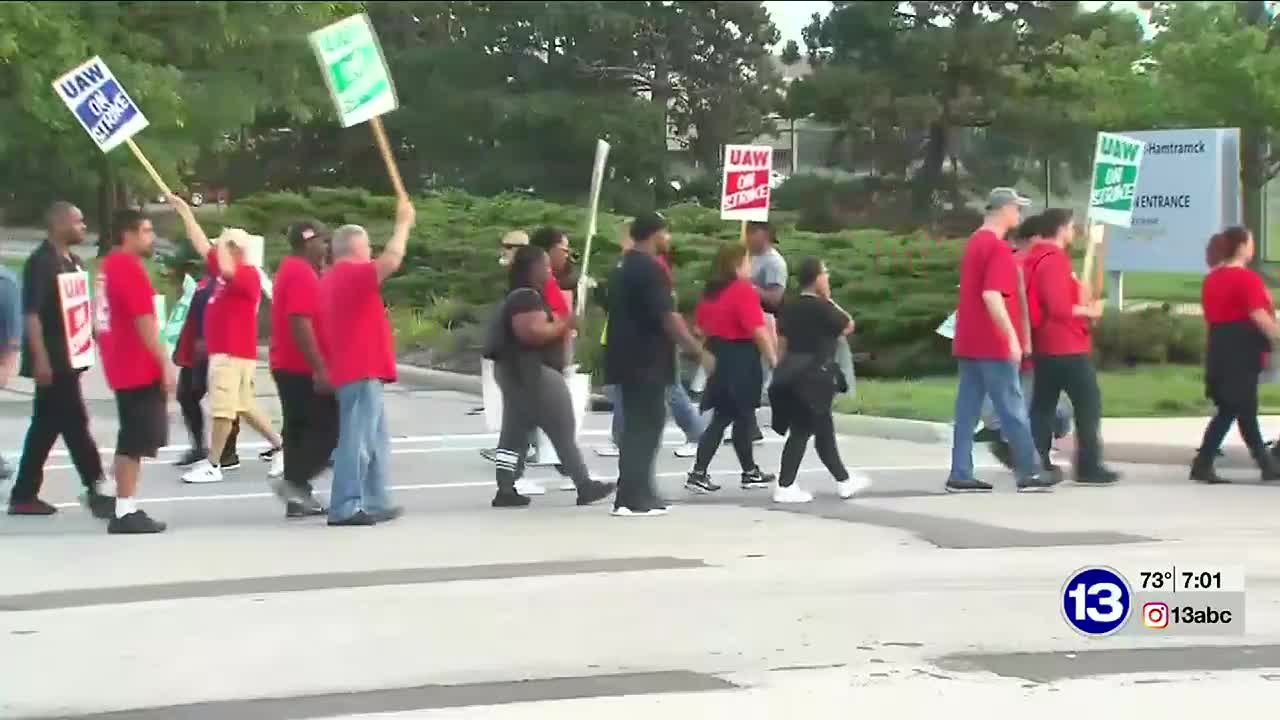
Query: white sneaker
[[526, 487], [791, 494], [567, 485], [856, 483], [628, 512], [277, 465], [609, 450], [687, 450], [202, 473]]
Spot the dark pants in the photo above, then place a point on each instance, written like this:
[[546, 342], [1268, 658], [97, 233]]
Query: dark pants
[[644, 407], [56, 410], [744, 430], [310, 431], [535, 400], [193, 385], [821, 428], [1073, 374], [1245, 415]]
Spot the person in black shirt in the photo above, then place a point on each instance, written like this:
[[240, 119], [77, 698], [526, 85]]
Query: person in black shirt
[[640, 359], [527, 345], [58, 404], [807, 381]]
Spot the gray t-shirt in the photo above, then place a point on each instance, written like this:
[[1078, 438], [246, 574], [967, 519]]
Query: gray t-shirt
[[769, 270]]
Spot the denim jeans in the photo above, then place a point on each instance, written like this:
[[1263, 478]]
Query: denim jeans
[[682, 409], [1062, 414], [997, 379], [363, 454]]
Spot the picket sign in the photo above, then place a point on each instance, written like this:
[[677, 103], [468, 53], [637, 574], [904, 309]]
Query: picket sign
[[593, 214], [1116, 162], [178, 317], [105, 110], [356, 73], [77, 316]]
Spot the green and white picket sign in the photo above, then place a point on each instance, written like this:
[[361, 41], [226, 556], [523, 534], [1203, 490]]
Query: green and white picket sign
[[178, 317], [354, 70], [1116, 161]]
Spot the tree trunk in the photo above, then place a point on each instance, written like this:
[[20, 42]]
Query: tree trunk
[[106, 203], [930, 174], [1253, 157], [660, 94]]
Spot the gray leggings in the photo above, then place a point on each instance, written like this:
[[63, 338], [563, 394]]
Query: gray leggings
[[536, 400]]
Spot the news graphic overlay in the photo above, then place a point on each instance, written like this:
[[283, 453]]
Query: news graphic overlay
[[1153, 601]]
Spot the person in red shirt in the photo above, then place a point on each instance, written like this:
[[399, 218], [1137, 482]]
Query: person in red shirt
[[1242, 334], [310, 429], [732, 319], [360, 354], [135, 362], [192, 358], [231, 338], [1061, 337], [988, 350]]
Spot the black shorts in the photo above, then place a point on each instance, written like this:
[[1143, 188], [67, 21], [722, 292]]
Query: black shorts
[[144, 421]]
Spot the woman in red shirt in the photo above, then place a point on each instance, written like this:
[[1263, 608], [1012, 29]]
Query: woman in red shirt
[[1242, 331], [732, 319]]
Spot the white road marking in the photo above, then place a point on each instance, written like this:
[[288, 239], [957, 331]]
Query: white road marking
[[490, 483]]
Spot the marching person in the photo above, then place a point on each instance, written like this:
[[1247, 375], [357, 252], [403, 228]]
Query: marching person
[[57, 407], [191, 356], [769, 276], [988, 350], [361, 358], [135, 362], [807, 381], [644, 327], [1242, 337], [310, 423], [231, 338], [732, 319], [528, 350], [1063, 347]]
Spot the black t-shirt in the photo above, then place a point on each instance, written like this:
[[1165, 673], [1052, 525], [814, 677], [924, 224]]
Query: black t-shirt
[[517, 355], [40, 298], [812, 326], [638, 350]]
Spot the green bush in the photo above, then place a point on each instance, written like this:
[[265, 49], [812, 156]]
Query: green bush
[[1153, 336]]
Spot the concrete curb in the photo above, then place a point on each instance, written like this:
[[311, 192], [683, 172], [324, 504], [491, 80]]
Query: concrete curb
[[918, 431]]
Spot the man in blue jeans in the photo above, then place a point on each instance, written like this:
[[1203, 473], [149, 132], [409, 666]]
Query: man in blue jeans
[[988, 349]]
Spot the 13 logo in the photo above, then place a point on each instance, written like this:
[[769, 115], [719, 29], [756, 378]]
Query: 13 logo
[[1096, 601]]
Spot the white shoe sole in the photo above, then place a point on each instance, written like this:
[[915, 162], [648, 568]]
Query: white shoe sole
[[529, 490], [202, 480], [606, 452], [857, 483], [792, 500]]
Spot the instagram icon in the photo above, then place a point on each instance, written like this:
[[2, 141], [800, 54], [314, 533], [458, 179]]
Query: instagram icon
[[1155, 615]]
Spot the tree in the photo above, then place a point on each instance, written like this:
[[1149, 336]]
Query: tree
[[791, 53]]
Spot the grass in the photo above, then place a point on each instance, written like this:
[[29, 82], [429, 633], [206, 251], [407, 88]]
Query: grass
[[1150, 391]]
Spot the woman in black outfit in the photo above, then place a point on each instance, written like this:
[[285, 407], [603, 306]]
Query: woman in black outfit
[[807, 382], [527, 346], [732, 319]]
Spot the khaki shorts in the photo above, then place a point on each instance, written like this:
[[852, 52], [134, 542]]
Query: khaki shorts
[[231, 386]]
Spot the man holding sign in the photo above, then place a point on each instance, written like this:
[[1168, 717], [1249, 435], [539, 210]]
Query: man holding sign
[[54, 281]]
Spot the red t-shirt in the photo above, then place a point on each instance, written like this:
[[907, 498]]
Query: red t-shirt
[[1230, 293], [296, 292], [987, 265], [358, 343], [122, 294], [231, 318], [734, 314], [555, 298]]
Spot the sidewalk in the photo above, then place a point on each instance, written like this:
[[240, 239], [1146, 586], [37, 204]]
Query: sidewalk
[[1173, 441]]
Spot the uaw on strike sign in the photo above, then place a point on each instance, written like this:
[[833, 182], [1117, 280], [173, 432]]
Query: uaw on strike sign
[[100, 104], [744, 194], [73, 294]]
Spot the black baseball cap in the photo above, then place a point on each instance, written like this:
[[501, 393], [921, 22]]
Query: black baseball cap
[[300, 232], [646, 224]]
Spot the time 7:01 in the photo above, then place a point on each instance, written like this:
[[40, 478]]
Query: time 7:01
[[1156, 580]]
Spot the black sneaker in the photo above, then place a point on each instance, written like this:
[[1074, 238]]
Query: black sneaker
[[595, 490], [1098, 478], [387, 515], [509, 499], [135, 523], [1038, 483], [230, 462], [32, 508], [190, 457], [268, 455], [986, 435], [1202, 471], [967, 486], [359, 519], [309, 507], [101, 506], [700, 482], [756, 480]]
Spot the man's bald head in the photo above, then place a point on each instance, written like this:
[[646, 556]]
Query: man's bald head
[[65, 223]]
